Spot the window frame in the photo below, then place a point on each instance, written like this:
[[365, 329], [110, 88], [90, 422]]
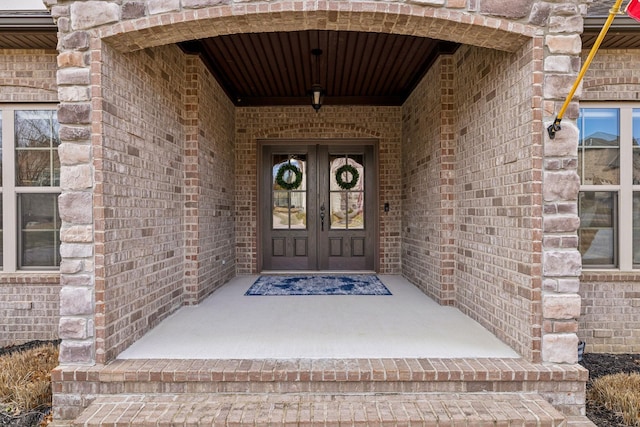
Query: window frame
[[623, 250], [10, 191]]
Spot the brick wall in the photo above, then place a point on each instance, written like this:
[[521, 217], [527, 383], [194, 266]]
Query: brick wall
[[28, 75], [497, 174], [29, 307], [471, 192], [614, 75], [209, 188], [610, 318], [29, 302], [139, 182], [427, 205], [164, 189], [382, 123]]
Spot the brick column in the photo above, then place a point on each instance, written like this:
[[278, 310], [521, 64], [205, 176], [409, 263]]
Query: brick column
[[561, 259], [192, 183]]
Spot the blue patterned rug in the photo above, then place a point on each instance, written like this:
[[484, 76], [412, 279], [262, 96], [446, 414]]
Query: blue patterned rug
[[318, 285]]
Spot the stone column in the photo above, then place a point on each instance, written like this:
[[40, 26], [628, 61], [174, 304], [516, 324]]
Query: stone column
[[77, 133], [561, 259]]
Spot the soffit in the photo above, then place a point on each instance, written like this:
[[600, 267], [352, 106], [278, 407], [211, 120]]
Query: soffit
[[27, 30], [624, 32]]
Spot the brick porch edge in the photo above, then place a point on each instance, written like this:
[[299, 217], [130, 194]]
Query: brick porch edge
[[75, 387]]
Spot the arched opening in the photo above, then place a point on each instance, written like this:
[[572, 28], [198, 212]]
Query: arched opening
[[186, 96]]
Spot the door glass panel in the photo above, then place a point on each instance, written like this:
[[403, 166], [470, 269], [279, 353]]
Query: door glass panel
[[289, 191], [346, 183], [356, 210], [599, 146]]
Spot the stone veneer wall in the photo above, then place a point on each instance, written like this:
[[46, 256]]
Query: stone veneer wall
[[382, 123], [29, 302], [610, 320]]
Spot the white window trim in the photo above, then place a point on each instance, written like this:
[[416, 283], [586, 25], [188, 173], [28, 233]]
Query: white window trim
[[626, 188], [10, 191]]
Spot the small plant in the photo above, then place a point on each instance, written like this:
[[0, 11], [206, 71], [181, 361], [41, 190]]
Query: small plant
[[25, 379], [619, 393]]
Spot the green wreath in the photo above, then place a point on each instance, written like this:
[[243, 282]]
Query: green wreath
[[354, 177], [285, 184]]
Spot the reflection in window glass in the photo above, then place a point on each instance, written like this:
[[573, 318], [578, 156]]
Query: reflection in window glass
[[596, 235], [0, 149], [356, 210], [289, 191], [636, 146], [36, 142], [636, 228], [1, 235], [39, 226], [599, 146], [346, 191]]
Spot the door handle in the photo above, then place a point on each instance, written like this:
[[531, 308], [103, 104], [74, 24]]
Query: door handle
[[322, 217]]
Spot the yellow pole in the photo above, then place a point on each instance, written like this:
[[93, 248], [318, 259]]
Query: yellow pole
[[555, 126]]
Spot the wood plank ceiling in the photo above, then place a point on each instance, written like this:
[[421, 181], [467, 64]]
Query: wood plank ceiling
[[278, 68]]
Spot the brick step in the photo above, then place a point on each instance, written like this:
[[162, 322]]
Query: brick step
[[74, 386], [308, 409], [316, 375]]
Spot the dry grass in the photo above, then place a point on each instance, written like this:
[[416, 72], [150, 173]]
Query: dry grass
[[25, 378], [619, 393]]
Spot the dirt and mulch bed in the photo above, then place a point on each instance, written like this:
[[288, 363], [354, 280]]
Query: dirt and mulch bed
[[25, 383], [25, 386], [613, 389]]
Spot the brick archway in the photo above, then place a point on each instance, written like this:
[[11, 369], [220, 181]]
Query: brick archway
[[172, 26]]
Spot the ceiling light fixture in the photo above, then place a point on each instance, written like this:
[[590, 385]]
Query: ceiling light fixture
[[317, 92]]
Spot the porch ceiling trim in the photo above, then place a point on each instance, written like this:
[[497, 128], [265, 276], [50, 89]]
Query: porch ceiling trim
[[27, 30], [623, 34]]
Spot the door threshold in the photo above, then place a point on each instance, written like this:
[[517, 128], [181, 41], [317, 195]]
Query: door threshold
[[309, 272]]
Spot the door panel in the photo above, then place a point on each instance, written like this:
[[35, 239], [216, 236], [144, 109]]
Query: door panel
[[318, 207], [347, 242], [287, 211]]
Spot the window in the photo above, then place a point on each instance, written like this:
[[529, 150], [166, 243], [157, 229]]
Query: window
[[30, 185], [609, 199]]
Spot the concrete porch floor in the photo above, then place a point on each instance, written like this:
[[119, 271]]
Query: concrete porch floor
[[230, 325]]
